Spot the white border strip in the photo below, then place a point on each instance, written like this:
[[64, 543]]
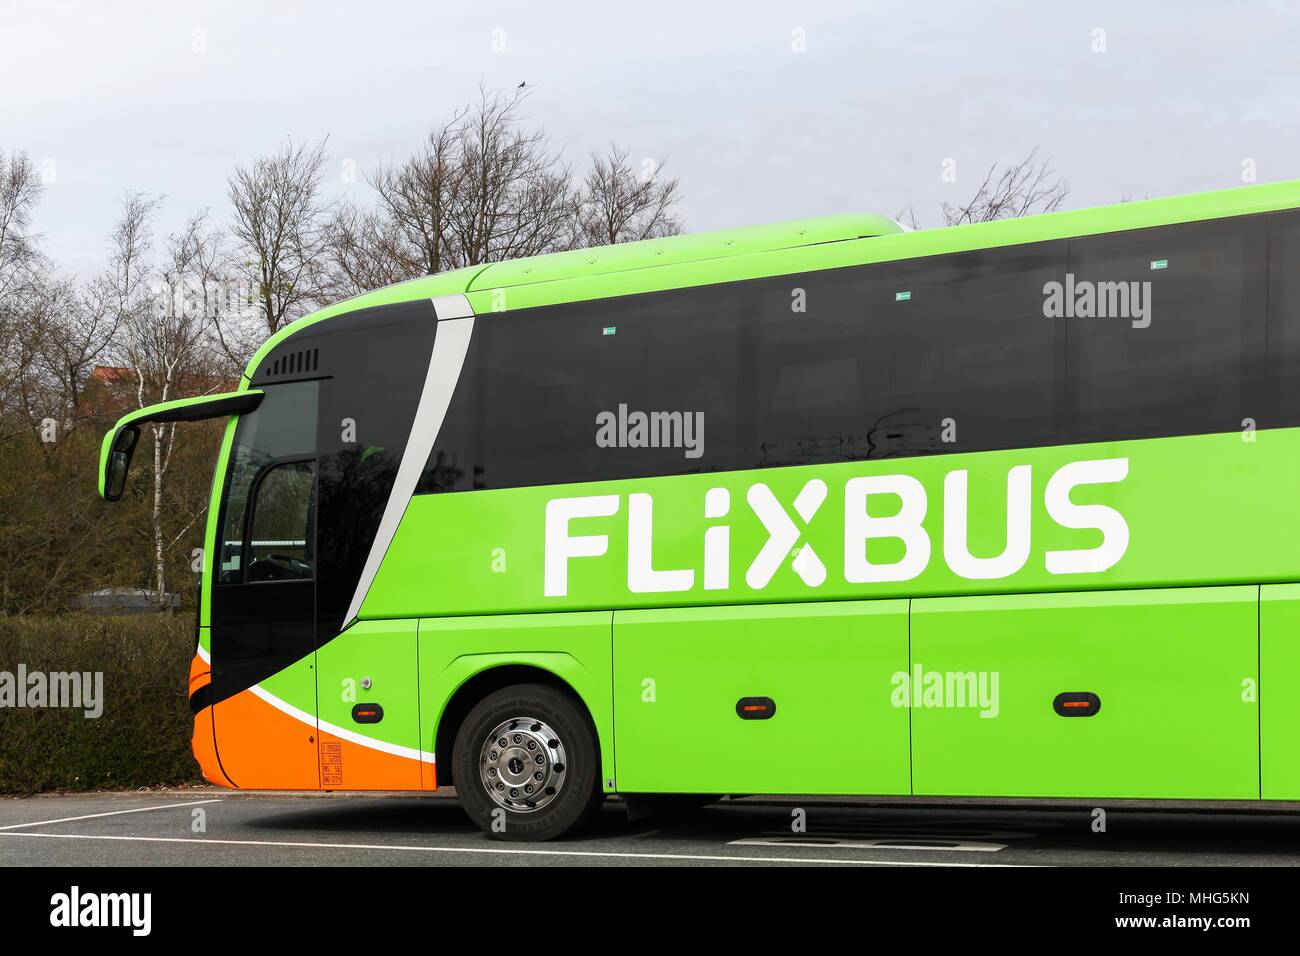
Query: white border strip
[[451, 342]]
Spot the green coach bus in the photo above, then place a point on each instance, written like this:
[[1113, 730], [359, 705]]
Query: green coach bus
[[999, 510]]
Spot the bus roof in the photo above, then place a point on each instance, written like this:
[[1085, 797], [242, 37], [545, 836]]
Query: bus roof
[[673, 250], [754, 251], [670, 250]]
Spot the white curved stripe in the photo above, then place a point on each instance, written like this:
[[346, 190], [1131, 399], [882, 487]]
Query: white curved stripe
[[450, 343], [325, 727], [204, 656], [452, 307]]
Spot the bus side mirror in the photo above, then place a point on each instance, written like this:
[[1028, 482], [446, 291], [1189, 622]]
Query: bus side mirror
[[120, 440], [118, 462]]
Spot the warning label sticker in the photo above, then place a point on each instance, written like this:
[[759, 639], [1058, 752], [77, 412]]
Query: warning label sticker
[[331, 763]]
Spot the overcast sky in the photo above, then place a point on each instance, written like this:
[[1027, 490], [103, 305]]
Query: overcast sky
[[165, 96]]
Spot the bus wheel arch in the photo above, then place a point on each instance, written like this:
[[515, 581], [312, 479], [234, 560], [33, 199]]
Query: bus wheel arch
[[527, 762], [481, 685]]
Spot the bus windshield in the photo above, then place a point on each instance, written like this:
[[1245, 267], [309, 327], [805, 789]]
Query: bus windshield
[[270, 466]]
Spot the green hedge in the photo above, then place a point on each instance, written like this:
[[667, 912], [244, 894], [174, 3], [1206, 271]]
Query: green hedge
[[142, 738]]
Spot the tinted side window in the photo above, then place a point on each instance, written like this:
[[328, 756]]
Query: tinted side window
[[616, 388], [974, 365], [823, 370], [935, 355], [928, 356], [819, 367], [367, 410], [1190, 363], [453, 465], [1283, 371]]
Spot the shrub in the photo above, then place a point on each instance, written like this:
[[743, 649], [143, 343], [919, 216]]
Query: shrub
[[142, 738]]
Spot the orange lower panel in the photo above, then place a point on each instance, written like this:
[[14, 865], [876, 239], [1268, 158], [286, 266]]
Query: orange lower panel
[[204, 745], [263, 748], [345, 765]]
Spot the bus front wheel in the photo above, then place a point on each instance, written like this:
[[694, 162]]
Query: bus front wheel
[[527, 764]]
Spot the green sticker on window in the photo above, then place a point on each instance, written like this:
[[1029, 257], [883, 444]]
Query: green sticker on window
[[1159, 264], [609, 330], [902, 296]]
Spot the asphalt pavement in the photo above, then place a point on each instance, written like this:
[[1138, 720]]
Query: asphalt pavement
[[214, 827]]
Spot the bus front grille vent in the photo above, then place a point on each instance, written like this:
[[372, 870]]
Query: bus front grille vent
[[302, 362]]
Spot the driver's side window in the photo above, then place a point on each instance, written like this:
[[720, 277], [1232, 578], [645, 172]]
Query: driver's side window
[[281, 524]]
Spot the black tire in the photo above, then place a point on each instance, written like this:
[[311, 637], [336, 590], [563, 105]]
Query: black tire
[[555, 723]]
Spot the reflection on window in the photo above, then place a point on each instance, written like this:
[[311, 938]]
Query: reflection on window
[[279, 546]]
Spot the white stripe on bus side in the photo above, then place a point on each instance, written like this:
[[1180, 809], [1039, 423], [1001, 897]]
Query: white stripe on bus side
[[451, 342], [325, 727]]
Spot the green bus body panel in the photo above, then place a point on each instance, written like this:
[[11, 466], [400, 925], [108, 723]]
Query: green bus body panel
[[1171, 667], [385, 652], [295, 685], [573, 647], [444, 557], [679, 674], [1279, 699]]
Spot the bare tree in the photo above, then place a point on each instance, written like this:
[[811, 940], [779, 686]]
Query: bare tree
[[83, 322], [163, 338], [20, 191], [615, 204], [1026, 188], [278, 228], [511, 194], [416, 199], [28, 314], [484, 187], [20, 267], [61, 340], [367, 250]]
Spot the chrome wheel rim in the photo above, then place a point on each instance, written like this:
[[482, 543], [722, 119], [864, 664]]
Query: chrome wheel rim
[[522, 764]]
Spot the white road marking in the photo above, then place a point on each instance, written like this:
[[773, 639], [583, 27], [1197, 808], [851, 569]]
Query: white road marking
[[111, 813], [880, 843], [709, 857]]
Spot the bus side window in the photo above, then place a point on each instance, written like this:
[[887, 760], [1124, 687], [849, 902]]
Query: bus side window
[[280, 543], [1185, 362]]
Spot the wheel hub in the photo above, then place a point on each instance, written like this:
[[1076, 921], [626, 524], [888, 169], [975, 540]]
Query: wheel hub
[[521, 764]]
